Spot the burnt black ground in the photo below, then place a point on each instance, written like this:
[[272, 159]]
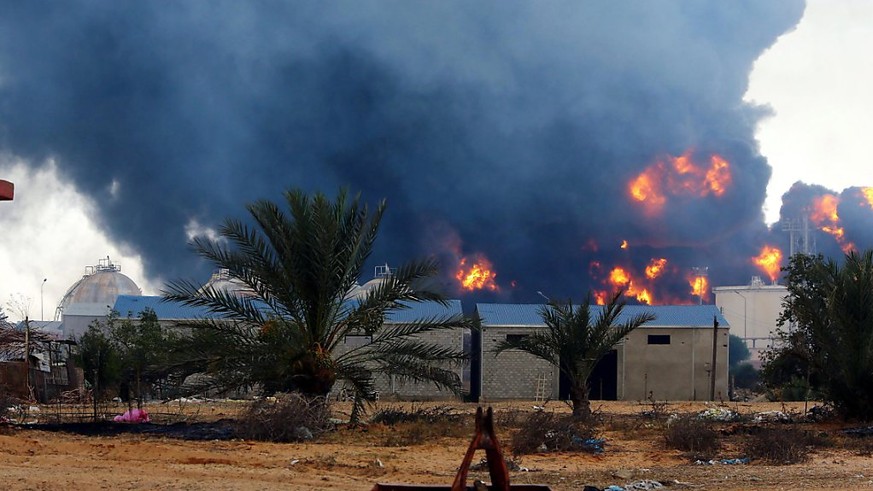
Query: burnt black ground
[[223, 429]]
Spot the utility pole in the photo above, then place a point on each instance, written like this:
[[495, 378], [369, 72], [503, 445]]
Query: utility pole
[[714, 356], [27, 354]]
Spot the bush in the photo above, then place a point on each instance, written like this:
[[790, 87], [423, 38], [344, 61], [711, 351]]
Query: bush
[[7, 402], [509, 418], [782, 445], [691, 434], [420, 425], [543, 431], [284, 418], [745, 376], [392, 416]]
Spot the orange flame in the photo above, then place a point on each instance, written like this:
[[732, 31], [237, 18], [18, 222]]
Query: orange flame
[[655, 268], [770, 261], [699, 286], [600, 297], [646, 188], [824, 215], [619, 277], [624, 244], [644, 297], [479, 276], [679, 176], [718, 176]]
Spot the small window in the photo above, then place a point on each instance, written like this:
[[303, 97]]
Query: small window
[[354, 340], [659, 339], [514, 338]]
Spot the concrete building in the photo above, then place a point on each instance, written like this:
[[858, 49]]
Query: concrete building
[[752, 311], [170, 314], [668, 359]]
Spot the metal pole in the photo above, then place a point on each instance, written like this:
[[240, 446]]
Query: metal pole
[[714, 355], [41, 309], [27, 354]]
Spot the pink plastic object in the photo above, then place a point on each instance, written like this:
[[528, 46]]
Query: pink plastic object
[[133, 416]]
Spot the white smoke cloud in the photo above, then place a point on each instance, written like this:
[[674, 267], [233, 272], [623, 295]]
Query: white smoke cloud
[[49, 232]]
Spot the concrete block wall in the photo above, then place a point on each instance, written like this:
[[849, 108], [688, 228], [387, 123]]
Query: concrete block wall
[[392, 386], [513, 374]]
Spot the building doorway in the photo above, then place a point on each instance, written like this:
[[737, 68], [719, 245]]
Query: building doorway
[[603, 383]]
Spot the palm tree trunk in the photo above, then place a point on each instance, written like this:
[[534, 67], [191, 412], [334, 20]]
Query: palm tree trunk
[[315, 375], [581, 404]]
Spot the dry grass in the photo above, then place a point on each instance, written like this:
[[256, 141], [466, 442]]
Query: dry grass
[[693, 435], [783, 445], [545, 431], [284, 418], [421, 424]]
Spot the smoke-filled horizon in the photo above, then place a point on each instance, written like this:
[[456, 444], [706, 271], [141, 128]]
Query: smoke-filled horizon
[[511, 131]]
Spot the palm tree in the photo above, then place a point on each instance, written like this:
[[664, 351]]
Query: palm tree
[[575, 339], [284, 331], [830, 343]]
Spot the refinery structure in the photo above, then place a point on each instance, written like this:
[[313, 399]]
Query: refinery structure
[[683, 354]]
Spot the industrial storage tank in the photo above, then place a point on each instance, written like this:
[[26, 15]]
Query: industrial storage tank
[[92, 297], [222, 281]]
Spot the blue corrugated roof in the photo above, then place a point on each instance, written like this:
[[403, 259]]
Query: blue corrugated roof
[[504, 314], [133, 305], [425, 310]]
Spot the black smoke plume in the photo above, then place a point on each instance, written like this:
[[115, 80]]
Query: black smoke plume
[[509, 129]]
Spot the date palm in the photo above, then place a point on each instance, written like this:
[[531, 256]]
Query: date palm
[[576, 338], [286, 331], [830, 343]]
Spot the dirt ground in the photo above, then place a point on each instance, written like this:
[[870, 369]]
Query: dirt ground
[[357, 458]]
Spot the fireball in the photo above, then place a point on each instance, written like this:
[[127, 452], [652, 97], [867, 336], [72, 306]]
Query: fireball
[[479, 276], [770, 261]]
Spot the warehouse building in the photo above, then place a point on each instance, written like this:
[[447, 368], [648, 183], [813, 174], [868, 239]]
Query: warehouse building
[[667, 359]]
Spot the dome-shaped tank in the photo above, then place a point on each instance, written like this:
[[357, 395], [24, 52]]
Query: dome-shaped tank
[[93, 296], [361, 291], [221, 280]]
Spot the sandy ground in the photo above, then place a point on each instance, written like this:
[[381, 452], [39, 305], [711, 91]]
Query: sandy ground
[[356, 459]]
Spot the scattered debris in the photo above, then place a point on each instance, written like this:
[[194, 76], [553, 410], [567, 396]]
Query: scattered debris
[[718, 414], [590, 444], [645, 484], [640, 485], [820, 413], [865, 431], [744, 460], [772, 417], [511, 465]]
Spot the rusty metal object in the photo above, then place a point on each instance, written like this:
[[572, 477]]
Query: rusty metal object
[[7, 190], [484, 439]]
